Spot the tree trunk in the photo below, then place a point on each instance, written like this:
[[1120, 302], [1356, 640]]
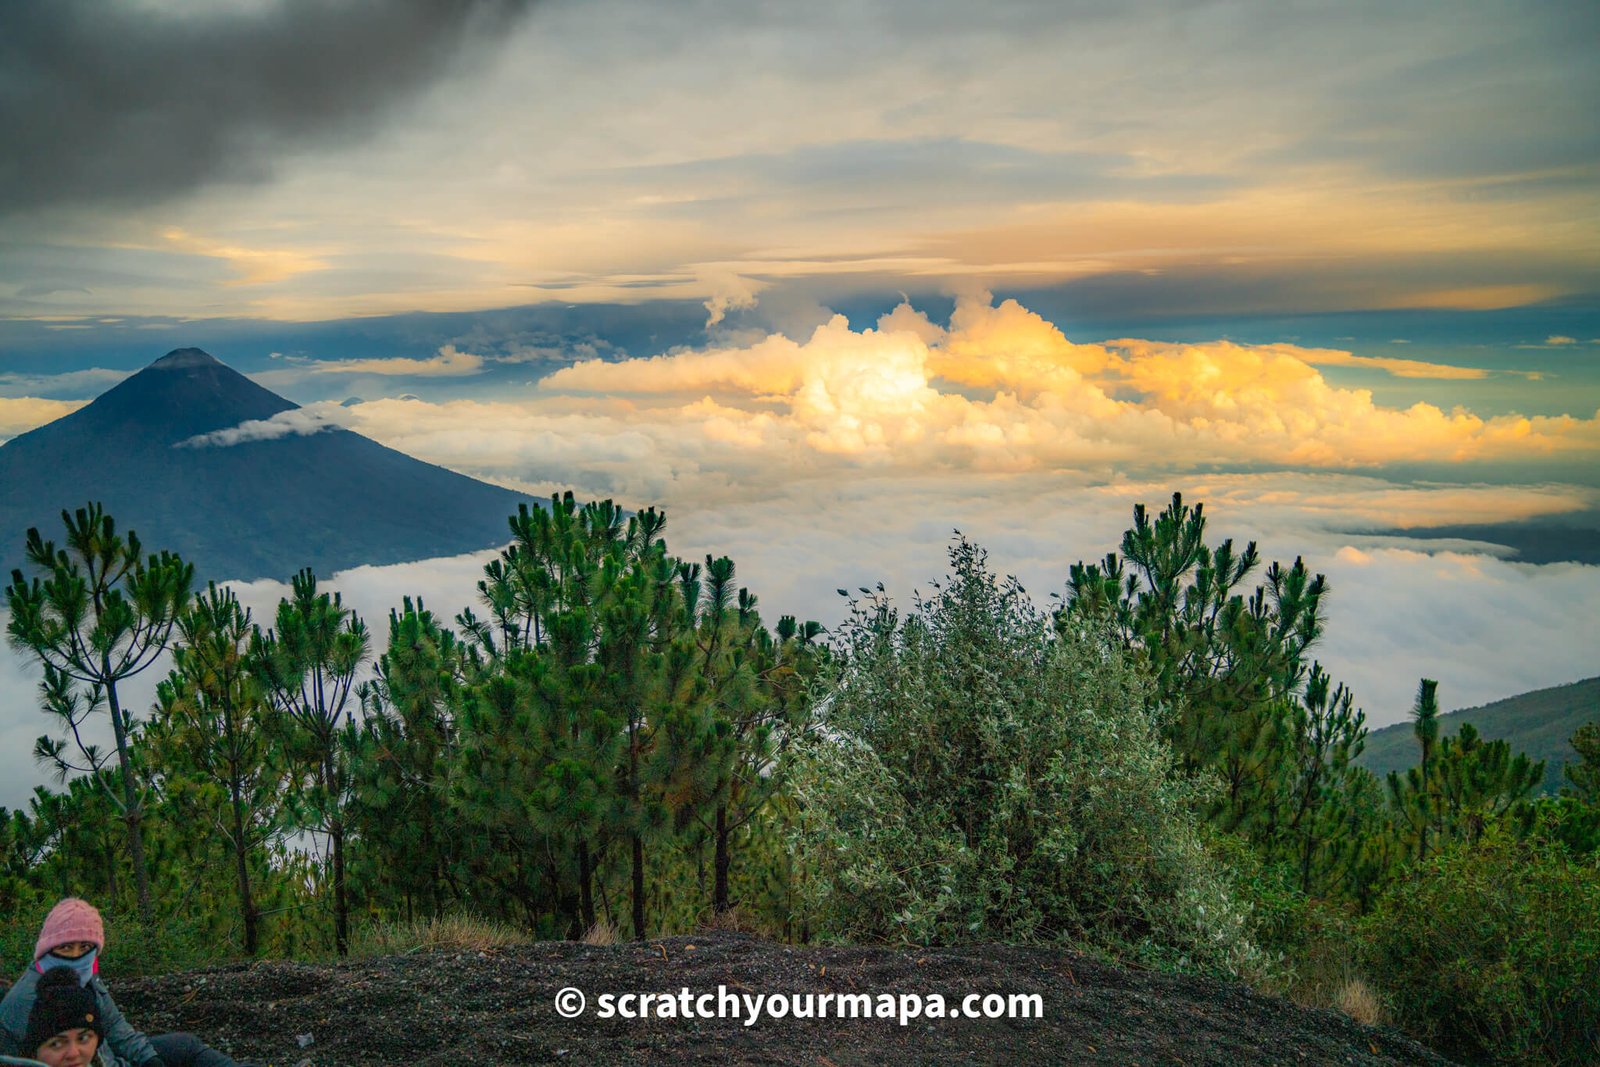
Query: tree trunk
[[585, 884], [110, 853], [1422, 841], [605, 903], [638, 887], [242, 869], [719, 891], [341, 907], [130, 797]]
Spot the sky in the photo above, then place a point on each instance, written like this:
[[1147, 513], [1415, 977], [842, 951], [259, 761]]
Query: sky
[[830, 282]]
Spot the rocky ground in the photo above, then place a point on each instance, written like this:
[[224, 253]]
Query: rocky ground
[[499, 1008]]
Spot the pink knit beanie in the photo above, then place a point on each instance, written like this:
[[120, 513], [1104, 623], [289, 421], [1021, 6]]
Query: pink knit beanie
[[71, 920]]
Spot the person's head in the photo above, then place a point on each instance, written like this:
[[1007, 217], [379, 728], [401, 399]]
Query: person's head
[[72, 930], [64, 1026]]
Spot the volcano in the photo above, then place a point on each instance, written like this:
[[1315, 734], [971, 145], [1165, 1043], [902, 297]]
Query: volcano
[[238, 506]]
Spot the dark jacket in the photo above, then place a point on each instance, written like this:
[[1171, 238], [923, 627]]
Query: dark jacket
[[123, 1045]]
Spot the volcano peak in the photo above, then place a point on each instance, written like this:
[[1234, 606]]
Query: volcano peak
[[181, 358]]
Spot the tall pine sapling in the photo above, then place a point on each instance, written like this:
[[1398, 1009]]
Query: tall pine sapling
[[210, 711], [307, 665], [98, 613]]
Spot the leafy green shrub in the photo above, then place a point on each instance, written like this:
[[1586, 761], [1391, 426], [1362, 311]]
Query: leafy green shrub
[[132, 949], [978, 777], [1492, 952], [18, 934], [166, 945], [1311, 947]]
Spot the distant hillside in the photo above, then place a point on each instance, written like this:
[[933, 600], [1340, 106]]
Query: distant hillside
[[162, 451], [1574, 539], [1539, 723]]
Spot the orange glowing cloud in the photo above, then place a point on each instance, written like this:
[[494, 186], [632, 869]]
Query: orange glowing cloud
[[23, 413], [900, 394]]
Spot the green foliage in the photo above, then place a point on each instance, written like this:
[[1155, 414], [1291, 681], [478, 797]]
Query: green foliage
[[1216, 652], [1539, 723], [99, 614], [133, 948], [1583, 778], [1310, 946], [613, 717], [1491, 951], [307, 667], [173, 943], [1231, 662], [1571, 821], [978, 775], [409, 730], [209, 739], [1157, 770], [1462, 787]]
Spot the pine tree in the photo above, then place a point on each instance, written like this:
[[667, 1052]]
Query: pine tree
[[1413, 793], [1480, 783], [758, 690], [1218, 655], [1244, 701], [1461, 786], [307, 665], [1325, 733], [646, 676], [408, 739], [1583, 777], [559, 737], [101, 614], [210, 724]]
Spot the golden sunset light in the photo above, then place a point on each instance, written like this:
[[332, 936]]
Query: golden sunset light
[[799, 512]]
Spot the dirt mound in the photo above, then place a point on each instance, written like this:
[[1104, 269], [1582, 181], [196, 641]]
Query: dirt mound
[[500, 1008]]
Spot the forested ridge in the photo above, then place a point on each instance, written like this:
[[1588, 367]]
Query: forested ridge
[[615, 743]]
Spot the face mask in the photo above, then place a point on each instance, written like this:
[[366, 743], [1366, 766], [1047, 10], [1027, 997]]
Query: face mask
[[86, 965]]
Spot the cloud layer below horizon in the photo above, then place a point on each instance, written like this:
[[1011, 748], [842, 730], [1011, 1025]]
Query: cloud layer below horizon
[[998, 391], [850, 456]]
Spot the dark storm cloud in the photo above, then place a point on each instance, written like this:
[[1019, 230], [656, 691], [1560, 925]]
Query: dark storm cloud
[[104, 104]]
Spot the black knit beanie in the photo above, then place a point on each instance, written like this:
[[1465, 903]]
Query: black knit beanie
[[60, 1004]]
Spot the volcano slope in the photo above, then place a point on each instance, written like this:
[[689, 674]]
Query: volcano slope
[[498, 1007]]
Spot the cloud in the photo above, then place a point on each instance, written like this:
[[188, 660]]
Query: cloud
[[729, 293], [1003, 389], [449, 363], [296, 422], [848, 456], [1044, 157], [1400, 368], [89, 380], [1485, 627], [1559, 339], [134, 106], [24, 413], [251, 266]]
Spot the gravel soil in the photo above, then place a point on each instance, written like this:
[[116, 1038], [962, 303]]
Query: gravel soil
[[499, 1008]]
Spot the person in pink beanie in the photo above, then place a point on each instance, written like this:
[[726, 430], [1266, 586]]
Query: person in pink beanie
[[72, 938], [73, 923]]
